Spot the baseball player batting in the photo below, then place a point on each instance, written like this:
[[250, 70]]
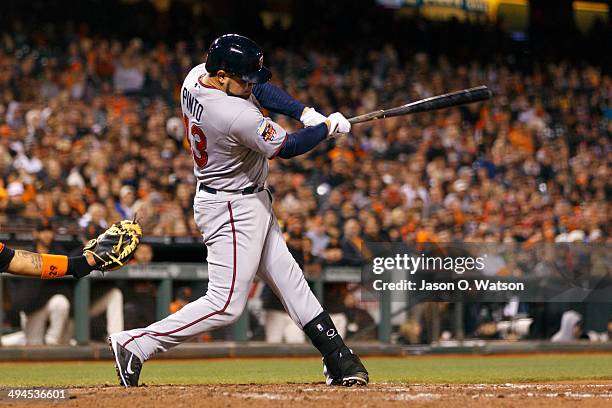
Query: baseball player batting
[[231, 142]]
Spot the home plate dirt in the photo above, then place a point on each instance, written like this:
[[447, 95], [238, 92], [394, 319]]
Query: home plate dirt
[[568, 394]]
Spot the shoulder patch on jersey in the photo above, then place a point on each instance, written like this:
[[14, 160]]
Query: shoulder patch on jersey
[[266, 130]]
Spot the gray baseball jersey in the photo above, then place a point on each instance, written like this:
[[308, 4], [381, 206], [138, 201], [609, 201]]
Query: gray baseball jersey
[[231, 140]]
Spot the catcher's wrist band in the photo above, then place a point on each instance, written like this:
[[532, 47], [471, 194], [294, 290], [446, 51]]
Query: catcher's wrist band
[[53, 266], [56, 266], [6, 256]]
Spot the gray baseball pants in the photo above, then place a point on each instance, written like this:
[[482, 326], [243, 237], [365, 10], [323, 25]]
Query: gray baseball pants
[[243, 239]]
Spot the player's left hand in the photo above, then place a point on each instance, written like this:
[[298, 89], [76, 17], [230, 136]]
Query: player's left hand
[[310, 117], [115, 246]]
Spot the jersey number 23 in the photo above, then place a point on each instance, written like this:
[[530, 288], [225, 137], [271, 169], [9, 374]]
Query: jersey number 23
[[197, 140]]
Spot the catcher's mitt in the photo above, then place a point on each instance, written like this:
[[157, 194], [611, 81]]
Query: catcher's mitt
[[115, 246]]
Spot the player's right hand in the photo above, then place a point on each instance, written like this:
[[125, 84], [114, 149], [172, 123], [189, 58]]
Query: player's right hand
[[337, 123]]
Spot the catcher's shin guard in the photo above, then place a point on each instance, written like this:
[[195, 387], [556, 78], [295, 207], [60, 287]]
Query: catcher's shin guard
[[128, 365], [340, 365]]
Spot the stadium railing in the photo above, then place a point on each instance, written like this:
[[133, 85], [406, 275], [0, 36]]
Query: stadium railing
[[167, 273]]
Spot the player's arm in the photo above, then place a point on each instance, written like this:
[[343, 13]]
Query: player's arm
[[276, 100], [267, 137], [44, 266], [304, 140]]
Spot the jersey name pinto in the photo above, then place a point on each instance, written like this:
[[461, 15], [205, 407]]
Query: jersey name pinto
[[231, 141]]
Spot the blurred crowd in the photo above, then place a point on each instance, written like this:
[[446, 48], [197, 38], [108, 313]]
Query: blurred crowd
[[91, 133]]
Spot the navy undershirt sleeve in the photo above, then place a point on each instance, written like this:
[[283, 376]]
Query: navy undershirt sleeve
[[277, 100], [6, 256], [302, 141]]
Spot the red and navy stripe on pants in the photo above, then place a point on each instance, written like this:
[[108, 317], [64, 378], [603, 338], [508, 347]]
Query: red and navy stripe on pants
[[227, 302]]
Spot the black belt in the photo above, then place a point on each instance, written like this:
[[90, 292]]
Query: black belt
[[248, 190]]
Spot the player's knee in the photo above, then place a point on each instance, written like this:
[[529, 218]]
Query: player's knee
[[234, 310], [59, 303], [115, 296]]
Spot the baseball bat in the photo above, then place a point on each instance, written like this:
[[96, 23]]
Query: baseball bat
[[479, 93]]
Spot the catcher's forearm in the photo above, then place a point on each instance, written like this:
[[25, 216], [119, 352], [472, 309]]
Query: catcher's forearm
[[26, 263], [48, 266], [110, 251]]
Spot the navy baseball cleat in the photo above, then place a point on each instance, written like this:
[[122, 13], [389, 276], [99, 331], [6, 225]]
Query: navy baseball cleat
[[348, 371], [128, 365]]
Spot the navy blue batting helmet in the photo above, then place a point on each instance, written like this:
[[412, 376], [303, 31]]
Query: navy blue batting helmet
[[239, 56]]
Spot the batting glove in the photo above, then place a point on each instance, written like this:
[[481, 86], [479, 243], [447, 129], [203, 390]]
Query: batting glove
[[310, 117], [338, 124]]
